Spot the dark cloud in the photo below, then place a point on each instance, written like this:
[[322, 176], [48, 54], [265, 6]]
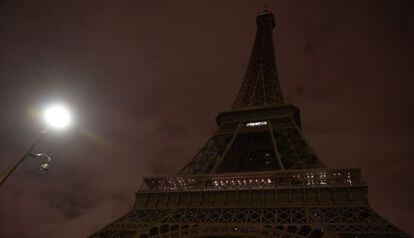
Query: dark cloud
[[147, 78]]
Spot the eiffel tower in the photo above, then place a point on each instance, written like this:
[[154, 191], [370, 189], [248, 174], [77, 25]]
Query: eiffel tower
[[256, 176]]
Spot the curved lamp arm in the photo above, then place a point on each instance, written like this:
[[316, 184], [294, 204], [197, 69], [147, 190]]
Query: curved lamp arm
[[43, 167], [21, 158]]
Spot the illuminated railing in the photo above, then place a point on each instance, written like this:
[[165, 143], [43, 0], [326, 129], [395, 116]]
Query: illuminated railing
[[291, 178]]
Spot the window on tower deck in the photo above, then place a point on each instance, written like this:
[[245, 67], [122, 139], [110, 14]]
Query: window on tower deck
[[250, 152], [257, 123]]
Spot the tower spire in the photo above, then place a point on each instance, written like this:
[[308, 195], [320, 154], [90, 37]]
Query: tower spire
[[260, 87]]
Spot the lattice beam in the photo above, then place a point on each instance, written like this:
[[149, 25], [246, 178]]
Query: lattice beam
[[260, 85]]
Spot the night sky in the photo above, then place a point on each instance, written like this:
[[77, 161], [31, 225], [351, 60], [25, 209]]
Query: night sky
[[147, 78]]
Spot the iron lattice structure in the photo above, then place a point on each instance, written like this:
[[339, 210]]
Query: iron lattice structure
[[256, 177], [260, 85]]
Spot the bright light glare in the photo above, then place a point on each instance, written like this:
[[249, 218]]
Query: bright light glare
[[57, 116]]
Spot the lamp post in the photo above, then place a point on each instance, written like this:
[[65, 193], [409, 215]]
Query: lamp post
[[56, 116]]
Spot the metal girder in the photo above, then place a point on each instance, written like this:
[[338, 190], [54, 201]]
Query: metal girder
[[261, 222], [260, 86]]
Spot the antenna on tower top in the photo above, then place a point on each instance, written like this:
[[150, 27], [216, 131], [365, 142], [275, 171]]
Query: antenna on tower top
[[265, 10]]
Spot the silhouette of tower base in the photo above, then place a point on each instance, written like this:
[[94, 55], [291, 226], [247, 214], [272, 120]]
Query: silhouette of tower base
[[295, 203]]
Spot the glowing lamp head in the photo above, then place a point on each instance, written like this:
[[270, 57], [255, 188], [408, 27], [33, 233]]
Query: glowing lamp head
[[57, 116]]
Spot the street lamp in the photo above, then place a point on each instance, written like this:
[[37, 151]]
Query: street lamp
[[56, 116]]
